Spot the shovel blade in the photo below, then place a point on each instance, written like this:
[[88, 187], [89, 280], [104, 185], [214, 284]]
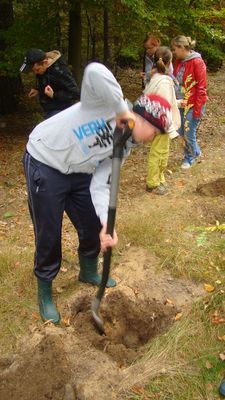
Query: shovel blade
[[97, 320]]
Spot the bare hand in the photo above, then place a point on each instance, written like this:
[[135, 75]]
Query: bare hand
[[123, 117], [182, 103], [33, 93], [107, 240], [49, 91], [142, 75]]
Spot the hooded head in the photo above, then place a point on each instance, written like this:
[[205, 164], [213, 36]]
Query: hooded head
[[33, 56]]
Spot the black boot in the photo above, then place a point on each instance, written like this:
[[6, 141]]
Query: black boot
[[89, 274], [47, 308]]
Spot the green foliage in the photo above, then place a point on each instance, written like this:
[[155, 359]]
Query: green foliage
[[36, 24], [214, 56], [45, 25], [128, 57]]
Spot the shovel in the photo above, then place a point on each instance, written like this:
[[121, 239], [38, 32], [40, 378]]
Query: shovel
[[119, 139]]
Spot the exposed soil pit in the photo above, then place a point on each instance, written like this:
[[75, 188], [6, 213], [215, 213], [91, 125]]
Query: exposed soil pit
[[129, 323], [214, 189]]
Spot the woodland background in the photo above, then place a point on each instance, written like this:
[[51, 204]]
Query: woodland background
[[108, 31]]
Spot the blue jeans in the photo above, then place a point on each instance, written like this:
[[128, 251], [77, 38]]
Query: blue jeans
[[188, 130]]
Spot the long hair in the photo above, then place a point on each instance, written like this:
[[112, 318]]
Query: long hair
[[162, 58]]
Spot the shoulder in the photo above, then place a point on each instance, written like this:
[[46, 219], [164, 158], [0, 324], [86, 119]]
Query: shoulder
[[197, 61], [165, 80]]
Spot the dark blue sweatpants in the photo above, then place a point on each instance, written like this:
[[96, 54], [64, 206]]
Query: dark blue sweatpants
[[50, 193]]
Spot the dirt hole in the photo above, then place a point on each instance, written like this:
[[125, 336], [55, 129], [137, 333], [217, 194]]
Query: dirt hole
[[129, 324], [214, 188]]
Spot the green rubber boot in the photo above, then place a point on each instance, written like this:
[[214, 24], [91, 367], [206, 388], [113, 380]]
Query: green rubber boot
[[47, 308], [89, 274]]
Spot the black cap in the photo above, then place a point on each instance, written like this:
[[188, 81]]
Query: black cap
[[33, 56]]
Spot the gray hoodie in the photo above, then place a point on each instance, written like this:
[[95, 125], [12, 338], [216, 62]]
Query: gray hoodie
[[79, 139]]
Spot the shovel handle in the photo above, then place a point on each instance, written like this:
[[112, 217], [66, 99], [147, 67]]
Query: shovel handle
[[120, 138]]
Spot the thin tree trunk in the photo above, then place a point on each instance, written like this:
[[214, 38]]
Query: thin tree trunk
[[106, 54], [9, 86], [75, 36]]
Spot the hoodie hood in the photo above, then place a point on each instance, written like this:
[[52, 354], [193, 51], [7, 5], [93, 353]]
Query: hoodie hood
[[193, 55], [53, 56]]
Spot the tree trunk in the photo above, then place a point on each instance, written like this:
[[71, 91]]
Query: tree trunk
[[106, 50], [75, 36], [9, 86]]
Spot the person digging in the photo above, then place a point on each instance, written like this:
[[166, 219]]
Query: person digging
[[67, 164]]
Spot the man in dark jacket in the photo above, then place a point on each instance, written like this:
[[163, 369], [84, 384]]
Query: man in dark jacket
[[56, 86]]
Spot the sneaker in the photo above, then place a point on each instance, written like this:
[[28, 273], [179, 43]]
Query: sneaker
[[164, 184], [185, 165], [149, 189], [199, 157], [160, 190]]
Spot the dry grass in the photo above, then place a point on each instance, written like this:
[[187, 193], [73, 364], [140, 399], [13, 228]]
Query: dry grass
[[183, 363]]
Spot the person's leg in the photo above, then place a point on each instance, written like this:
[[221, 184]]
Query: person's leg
[[46, 197], [164, 150], [80, 210], [181, 129], [192, 149], [153, 171]]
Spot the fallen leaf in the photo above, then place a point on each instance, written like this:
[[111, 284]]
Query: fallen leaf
[[59, 289], [222, 356], [48, 323], [17, 264], [36, 316], [209, 288], [63, 269], [219, 321], [169, 302], [8, 214], [178, 316], [209, 387], [67, 320], [138, 390], [208, 365]]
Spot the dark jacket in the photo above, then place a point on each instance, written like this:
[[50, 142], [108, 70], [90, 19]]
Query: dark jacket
[[60, 78]]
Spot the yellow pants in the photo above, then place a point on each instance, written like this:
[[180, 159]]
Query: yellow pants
[[157, 160]]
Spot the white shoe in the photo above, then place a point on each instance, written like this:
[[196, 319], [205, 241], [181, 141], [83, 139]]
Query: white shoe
[[185, 165]]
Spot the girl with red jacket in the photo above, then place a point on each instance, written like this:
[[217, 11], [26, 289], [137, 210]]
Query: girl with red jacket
[[190, 72]]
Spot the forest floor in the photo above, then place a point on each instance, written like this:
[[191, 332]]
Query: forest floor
[[164, 321]]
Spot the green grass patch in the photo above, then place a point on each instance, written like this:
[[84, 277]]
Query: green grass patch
[[185, 252]]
